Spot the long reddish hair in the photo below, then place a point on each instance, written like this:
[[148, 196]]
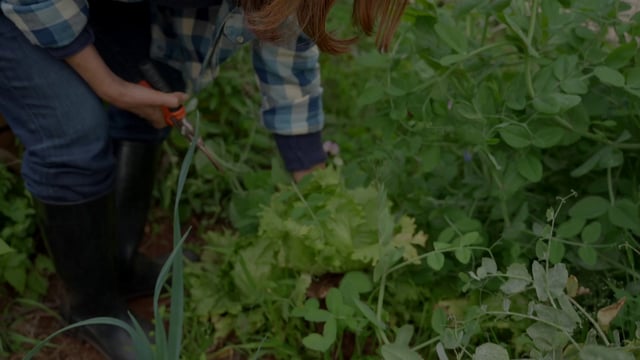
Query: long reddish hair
[[267, 18]]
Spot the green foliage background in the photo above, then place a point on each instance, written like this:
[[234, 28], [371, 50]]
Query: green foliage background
[[488, 169], [507, 137]]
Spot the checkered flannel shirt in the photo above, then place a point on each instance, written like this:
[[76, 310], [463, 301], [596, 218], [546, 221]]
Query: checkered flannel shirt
[[189, 40]]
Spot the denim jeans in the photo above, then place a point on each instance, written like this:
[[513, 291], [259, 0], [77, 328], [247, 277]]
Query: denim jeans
[[66, 130]]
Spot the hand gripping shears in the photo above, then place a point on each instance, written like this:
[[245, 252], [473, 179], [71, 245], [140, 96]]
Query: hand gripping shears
[[174, 117]]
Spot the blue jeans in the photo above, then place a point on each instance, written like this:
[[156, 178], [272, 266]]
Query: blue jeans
[[66, 130]]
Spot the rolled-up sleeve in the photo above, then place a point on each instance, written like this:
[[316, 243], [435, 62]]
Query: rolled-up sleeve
[[289, 77], [51, 24]]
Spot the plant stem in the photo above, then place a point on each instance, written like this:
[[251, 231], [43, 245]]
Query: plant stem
[[383, 283], [590, 136], [538, 320], [532, 20], [452, 249], [426, 343], [527, 73], [591, 320], [612, 197], [485, 30], [532, 27]]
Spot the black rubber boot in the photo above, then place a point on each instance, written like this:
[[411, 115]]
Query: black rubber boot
[[81, 240], [135, 178]]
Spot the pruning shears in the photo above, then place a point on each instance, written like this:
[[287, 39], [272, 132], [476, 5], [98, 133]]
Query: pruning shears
[[174, 117]]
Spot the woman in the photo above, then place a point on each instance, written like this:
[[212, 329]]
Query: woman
[[90, 171]]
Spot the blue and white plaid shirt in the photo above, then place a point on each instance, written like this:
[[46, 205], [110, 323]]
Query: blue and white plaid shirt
[[188, 39]]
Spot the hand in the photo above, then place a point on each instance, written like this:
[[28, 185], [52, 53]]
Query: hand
[[143, 101], [135, 98]]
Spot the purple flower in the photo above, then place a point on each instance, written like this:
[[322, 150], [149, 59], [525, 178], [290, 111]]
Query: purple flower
[[467, 155], [331, 148]]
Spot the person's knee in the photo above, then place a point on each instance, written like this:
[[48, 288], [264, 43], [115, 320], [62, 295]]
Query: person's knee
[[75, 164]]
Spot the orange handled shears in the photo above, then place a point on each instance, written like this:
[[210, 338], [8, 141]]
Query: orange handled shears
[[174, 117]]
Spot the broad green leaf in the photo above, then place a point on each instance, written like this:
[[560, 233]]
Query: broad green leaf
[[588, 165], [311, 311], [544, 82], [589, 207], [549, 283], [4, 248], [446, 236], [588, 254], [463, 255], [490, 351], [546, 337], [530, 167], [371, 93], [515, 136], [555, 316], [542, 249], [519, 279], [609, 76], [336, 305], [484, 99], [439, 320], [470, 238], [356, 282], [577, 86], [515, 95], [17, 278], [435, 260], [488, 267], [546, 104], [610, 157], [404, 335], [624, 214], [451, 338], [632, 90], [450, 33], [567, 307], [429, 158], [599, 352], [554, 103], [556, 251], [633, 77], [453, 59], [547, 136], [322, 342], [591, 233], [398, 352], [565, 66], [622, 55], [557, 279], [370, 315], [542, 335], [464, 7], [570, 228]]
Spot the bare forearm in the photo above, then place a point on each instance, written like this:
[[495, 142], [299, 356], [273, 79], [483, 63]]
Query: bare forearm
[[90, 66], [125, 95]]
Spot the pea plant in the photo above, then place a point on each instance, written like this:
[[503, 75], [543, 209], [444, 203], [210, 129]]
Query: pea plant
[[481, 115]]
